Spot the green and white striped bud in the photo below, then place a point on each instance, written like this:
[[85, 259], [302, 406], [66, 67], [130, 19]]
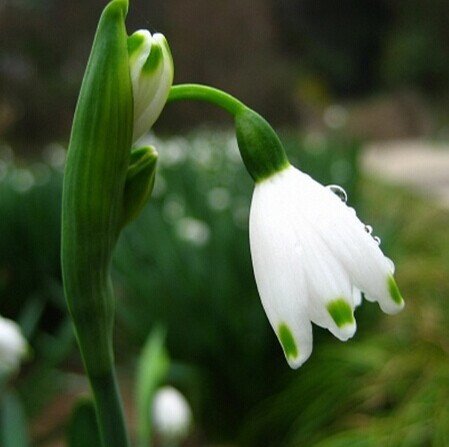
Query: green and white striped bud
[[151, 67]]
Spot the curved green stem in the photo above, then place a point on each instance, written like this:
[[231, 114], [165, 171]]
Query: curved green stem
[[108, 404], [205, 93], [262, 151]]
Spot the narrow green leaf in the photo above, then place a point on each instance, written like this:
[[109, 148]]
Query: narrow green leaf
[[83, 428], [13, 426], [153, 367]]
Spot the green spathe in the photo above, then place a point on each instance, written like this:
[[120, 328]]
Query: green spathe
[[341, 312], [94, 181], [288, 342], [260, 147], [93, 210]]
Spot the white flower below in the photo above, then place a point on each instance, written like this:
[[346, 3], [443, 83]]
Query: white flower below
[[312, 257], [13, 346], [151, 68], [172, 415]]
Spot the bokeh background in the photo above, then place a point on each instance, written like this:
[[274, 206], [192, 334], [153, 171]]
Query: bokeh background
[[359, 91]]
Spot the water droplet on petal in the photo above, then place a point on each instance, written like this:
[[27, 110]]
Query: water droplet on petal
[[369, 229], [391, 264], [377, 240], [339, 192]]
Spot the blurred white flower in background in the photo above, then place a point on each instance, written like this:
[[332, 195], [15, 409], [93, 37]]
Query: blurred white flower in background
[[171, 414], [335, 116], [174, 152], [202, 154], [22, 180], [219, 199], [55, 155], [193, 230], [174, 208], [13, 346]]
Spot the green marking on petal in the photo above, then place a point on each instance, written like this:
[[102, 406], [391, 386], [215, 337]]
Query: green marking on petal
[[287, 341], [154, 59], [341, 312], [395, 294], [135, 42]]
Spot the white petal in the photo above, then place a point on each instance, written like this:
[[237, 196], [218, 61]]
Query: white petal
[[356, 296], [330, 292], [278, 272], [139, 57], [347, 239]]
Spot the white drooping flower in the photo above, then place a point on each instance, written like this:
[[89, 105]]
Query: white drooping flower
[[13, 346], [151, 69], [172, 415], [312, 256]]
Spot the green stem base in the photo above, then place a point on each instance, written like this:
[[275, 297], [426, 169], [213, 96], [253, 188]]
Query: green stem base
[[109, 409]]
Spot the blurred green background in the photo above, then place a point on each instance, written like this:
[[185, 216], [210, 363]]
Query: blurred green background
[[333, 77]]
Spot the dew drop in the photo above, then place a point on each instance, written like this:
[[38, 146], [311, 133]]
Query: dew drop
[[339, 192], [369, 229], [377, 240]]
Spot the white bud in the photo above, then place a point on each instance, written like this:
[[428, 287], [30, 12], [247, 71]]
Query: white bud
[[151, 69], [172, 415], [13, 346]]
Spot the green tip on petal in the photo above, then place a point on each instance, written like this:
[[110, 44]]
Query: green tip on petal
[[135, 41], [154, 59], [341, 312], [395, 294], [287, 342], [166, 46]]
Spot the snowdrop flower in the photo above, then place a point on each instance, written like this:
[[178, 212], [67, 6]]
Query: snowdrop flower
[[13, 346], [311, 254], [151, 67], [172, 415]]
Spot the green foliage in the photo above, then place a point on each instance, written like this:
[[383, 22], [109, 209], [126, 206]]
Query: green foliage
[[152, 370], [185, 262]]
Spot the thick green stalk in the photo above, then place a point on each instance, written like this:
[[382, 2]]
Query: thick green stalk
[[109, 410], [93, 208]]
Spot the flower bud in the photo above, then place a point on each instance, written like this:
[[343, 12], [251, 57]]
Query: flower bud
[[151, 68], [13, 346], [172, 415]]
